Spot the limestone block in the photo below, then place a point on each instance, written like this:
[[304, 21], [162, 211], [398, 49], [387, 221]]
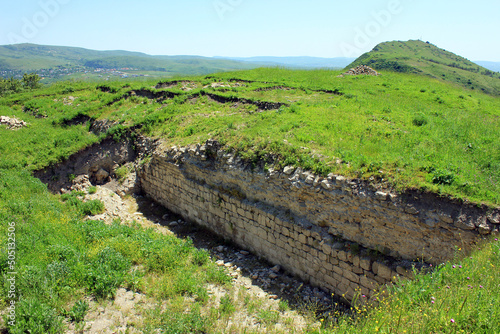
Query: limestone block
[[380, 280], [368, 283], [384, 272], [337, 270], [355, 261], [326, 248], [350, 276], [345, 266], [357, 270], [342, 255], [375, 267]]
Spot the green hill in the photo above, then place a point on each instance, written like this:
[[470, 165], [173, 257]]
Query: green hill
[[19, 58], [427, 59]]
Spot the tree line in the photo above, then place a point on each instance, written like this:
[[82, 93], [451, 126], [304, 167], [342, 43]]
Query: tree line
[[11, 85]]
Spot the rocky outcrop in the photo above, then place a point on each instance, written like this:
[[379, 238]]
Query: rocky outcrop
[[361, 70], [97, 165], [12, 122]]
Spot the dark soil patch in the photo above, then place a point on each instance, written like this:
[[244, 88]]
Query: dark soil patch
[[266, 89]]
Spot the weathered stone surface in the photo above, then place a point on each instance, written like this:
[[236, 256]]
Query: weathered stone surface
[[289, 170], [290, 227], [384, 272], [361, 70], [101, 176], [12, 122], [326, 185], [381, 196]]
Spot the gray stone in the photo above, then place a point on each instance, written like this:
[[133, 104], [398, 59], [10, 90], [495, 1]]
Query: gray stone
[[276, 269], [484, 229], [101, 176], [463, 223], [326, 185], [288, 170], [494, 218], [381, 196]]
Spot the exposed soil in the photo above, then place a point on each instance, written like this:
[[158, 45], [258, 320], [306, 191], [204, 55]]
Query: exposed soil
[[267, 89], [185, 85], [262, 105]]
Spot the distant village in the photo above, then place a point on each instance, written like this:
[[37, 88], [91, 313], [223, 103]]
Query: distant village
[[61, 71]]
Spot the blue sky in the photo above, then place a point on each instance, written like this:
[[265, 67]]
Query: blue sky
[[243, 28]]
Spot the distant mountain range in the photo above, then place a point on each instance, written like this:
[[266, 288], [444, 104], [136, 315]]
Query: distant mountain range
[[59, 61], [297, 62], [427, 59], [19, 58], [490, 65]]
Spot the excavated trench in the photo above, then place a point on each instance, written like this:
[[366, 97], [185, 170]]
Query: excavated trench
[[97, 165], [340, 236]]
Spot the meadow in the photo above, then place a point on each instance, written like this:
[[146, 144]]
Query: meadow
[[401, 131]]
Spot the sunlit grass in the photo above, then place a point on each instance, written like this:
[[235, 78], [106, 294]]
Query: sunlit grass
[[458, 297]]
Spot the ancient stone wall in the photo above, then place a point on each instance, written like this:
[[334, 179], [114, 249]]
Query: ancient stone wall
[[339, 234]]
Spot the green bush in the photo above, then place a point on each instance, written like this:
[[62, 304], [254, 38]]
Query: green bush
[[106, 273], [443, 177], [92, 207], [419, 120], [33, 316], [122, 172], [78, 311], [88, 208]]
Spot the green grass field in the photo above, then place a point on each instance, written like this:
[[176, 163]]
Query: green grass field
[[400, 130]]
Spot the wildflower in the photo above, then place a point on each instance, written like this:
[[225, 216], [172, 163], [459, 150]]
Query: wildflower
[[432, 302], [468, 277], [480, 286], [460, 267], [496, 239], [363, 296], [453, 266], [452, 321]]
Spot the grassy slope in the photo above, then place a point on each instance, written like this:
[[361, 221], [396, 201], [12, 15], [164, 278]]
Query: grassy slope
[[62, 259], [427, 59], [419, 132], [414, 129]]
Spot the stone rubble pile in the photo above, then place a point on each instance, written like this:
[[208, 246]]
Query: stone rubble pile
[[362, 70], [12, 123]]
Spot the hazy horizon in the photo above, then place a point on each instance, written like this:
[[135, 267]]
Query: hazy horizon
[[240, 28]]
